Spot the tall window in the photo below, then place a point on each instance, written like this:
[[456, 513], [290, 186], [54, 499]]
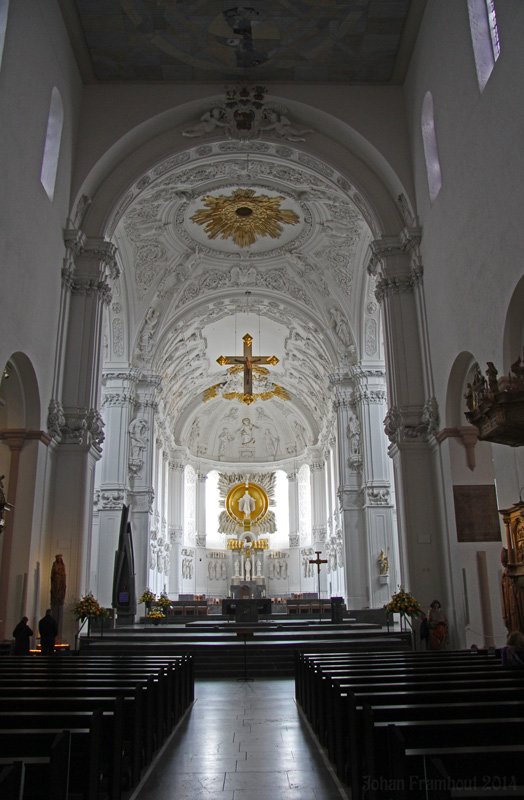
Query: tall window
[[52, 143], [4, 7], [429, 137], [484, 36]]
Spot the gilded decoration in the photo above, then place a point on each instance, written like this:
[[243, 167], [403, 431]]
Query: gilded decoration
[[243, 217], [249, 366], [247, 504]]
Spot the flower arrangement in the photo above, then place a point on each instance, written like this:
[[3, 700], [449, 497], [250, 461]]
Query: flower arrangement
[[87, 606], [403, 603], [156, 613], [163, 601], [147, 597]]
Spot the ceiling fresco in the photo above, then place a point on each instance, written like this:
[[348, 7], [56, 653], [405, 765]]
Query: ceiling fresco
[[357, 41]]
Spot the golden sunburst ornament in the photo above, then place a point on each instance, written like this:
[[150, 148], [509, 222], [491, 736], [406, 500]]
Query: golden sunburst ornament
[[243, 216]]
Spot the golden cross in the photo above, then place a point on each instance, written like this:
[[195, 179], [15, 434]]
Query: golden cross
[[247, 360], [318, 561]]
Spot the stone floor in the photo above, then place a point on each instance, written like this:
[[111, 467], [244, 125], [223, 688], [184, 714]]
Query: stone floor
[[241, 741]]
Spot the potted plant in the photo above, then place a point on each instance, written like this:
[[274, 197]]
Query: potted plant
[[156, 615], [163, 602], [403, 603], [87, 608], [148, 597]]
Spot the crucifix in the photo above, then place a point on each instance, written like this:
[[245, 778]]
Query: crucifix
[[318, 561], [247, 359]]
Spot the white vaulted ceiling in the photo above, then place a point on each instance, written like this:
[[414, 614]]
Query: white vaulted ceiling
[[184, 299]]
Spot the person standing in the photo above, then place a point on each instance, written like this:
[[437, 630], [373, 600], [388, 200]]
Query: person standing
[[48, 630], [513, 654], [438, 627], [21, 634]]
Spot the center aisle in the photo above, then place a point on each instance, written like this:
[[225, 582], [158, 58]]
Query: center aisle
[[241, 741]]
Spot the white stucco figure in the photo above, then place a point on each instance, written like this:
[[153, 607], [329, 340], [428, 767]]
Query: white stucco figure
[[246, 431], [271, 442], [224, 439], [259, 568], [282, 127], [340, 325], [246, 504], [248, 569], [137, 433], [237, 568], [208, 122]]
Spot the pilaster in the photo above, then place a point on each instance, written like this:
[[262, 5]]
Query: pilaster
[[412, 420], [292, 482]]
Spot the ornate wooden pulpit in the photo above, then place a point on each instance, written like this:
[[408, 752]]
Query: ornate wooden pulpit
[[513, 563]]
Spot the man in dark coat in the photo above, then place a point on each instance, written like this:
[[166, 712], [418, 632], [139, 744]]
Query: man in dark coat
[[48, 629], [21, 634]]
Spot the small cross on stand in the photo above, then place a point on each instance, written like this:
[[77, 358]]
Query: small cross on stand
[[247, 360], [318, 561]]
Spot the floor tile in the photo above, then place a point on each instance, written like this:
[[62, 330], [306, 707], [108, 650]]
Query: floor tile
[[241, 741]]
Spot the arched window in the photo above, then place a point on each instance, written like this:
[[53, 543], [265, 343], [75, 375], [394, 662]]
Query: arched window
[[4, 7], [52, 143], [429, 138], [484, 36]]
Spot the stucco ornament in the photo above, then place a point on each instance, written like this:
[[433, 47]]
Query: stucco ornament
[[244, 216]]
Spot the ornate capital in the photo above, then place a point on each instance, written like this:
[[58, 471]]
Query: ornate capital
[[399, 262], [176, 534], [396, 285], [412, 424], [382, 250], [75, 425], [376, 496], [319, 533], [142, 500], [109, 499], [117, 399], [89, 265]]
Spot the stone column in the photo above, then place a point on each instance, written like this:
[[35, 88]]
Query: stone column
[[412, 420], [294, 536], [74, 420], [369, 448], [175, 522], [19, 552], [200, 535], [118, 408], [141, 491], [319, 516], [352, 519]]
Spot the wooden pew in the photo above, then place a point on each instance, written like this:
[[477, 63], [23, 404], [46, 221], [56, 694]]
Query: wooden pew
[[171, 685], [349, 737], [44, 776], [85, 752], [404, 674], [443, 772]]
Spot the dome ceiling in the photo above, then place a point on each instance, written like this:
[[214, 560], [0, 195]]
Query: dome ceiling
[[185, 299]]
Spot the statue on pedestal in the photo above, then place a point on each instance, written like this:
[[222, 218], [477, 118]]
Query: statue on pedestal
[[58, 581]]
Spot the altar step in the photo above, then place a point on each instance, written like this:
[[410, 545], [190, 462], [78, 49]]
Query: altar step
[[234, 651]]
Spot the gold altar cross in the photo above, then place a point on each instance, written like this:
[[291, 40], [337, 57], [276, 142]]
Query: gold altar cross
[[318, 561], [247, 360]]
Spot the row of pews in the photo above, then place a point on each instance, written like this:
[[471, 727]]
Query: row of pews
[[417, 724], [86, 727]]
